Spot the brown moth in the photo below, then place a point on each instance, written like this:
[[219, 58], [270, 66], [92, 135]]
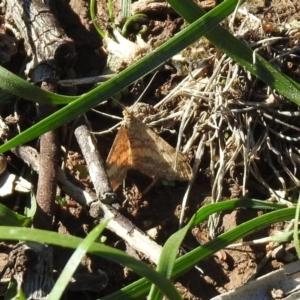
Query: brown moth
[[138, 147]]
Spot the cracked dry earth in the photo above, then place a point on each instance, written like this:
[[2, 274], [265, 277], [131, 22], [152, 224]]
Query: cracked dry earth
[[161, 206]]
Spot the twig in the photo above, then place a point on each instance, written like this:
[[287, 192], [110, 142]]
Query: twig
[[118, 224], [131, 234], [47, 181], [69, 184], [100, 210], [95, 164]]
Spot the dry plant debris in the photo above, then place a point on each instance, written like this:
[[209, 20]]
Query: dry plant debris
[[249, 131]]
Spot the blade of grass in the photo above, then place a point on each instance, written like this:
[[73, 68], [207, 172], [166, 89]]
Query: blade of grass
[[141, 287], [13, 84], [120, 257], [240, 53], [11, 292], [190, 259], [11, 218], [94, 18], [126, 8], [74, 261], [168, 256], [4, 96], [220, 37], [171, 247], [126, 77], [296, 228]]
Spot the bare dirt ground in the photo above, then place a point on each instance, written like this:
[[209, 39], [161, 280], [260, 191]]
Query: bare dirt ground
[[161, 206]]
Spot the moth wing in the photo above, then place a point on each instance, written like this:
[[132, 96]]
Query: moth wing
[[118, 160], [153, 156]]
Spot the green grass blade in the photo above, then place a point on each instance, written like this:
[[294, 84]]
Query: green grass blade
[[11, 218], [296, 228], [190, 259], [5, 96], [67, 241], [126, 8], [13, 84], [240, 53], [171, 247], [11, 292], [94, 18], [168, 256], [204, 212], [74, 262], [126, 77], [182, 264]]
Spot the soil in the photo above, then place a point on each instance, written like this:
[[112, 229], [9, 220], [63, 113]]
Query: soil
[[160, 207]]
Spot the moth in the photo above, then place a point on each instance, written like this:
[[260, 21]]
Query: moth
[[138, 147]]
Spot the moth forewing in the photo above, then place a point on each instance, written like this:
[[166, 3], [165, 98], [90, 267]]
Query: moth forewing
[[117, 163]]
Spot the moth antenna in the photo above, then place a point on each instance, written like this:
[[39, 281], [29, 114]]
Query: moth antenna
[[145, 90], [118, 103]]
